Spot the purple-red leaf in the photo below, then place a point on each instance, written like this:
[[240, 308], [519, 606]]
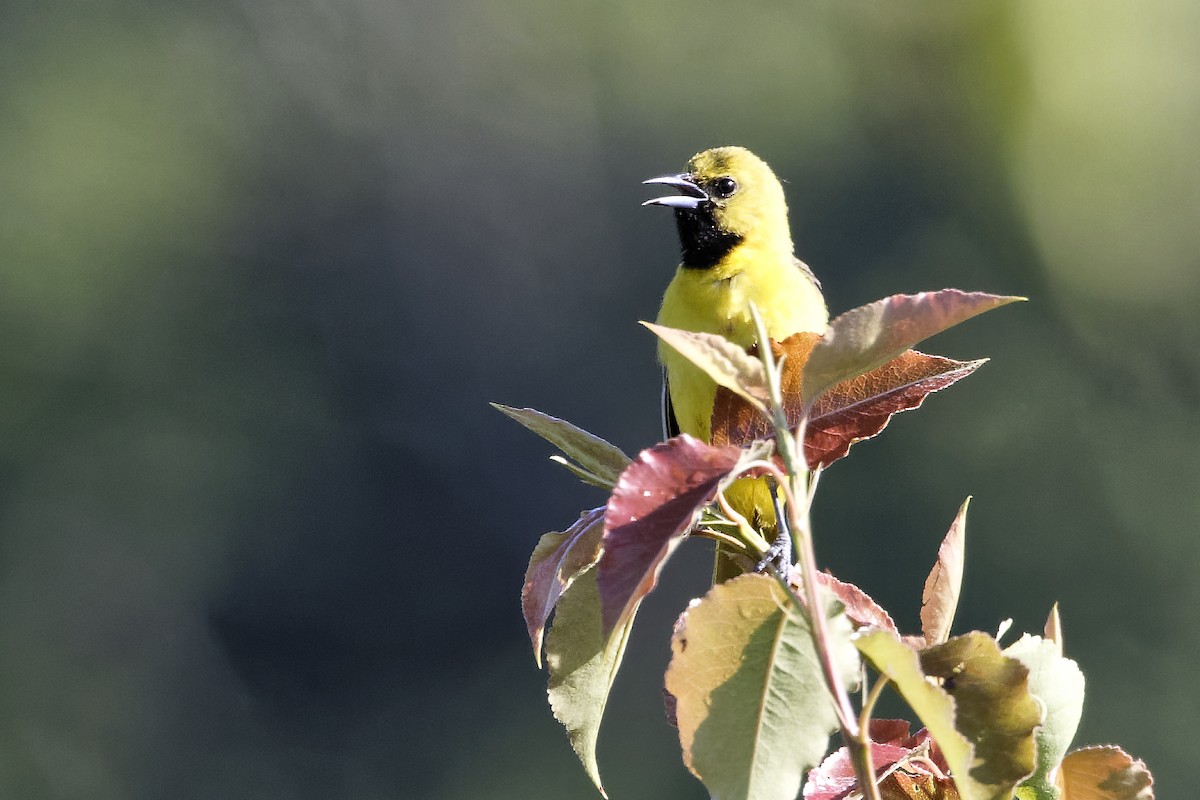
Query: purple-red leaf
[[853, 410], [939, 601], [555, 562], [655, 502], [866, 337]]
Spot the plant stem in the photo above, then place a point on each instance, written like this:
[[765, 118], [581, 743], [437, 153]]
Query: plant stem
[[791, 449]]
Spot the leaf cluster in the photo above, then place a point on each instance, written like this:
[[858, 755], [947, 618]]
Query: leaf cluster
[[764, 664]]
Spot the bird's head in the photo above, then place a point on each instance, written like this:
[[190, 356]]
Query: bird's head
[[727, 196]]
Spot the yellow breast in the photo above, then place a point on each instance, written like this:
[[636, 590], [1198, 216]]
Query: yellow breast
[[718, 301]]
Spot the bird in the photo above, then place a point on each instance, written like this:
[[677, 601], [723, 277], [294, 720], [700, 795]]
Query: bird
[[735, 250]]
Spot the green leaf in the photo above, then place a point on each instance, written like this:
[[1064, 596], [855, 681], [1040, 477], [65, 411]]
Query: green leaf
[[599, 463], [751, 703], [580, 472], [983, 719], [583, 663], [1058, 683], [939, 600], [722, 360], [868, 336]]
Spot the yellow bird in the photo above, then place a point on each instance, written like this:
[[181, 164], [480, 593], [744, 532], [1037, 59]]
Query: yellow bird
[[737, 249]]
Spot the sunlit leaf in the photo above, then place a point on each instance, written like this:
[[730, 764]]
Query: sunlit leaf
[[866, 337], [1053, 629], [906, 768], [1058, 683], [835, 779], [1104, 773], [751, 703], [555, 562], [982, 717], [654, 504], [598, 462], [581, 473], [861, 407], [583, 662], [940, 598], [850, 412], [725, 362], [932, 704], [860, 609]]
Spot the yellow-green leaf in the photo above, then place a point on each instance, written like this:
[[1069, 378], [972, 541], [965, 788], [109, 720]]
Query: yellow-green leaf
[[598, 462], [725, 362], [982, 716], [751, 703], [583, 663]]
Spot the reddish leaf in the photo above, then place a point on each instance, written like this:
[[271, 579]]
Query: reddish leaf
[[655, 502], [849, 412], [939, 601], [906, 768], [834, 779], [862, 407], [734, 421], [863, 338], [860, 609], [894, 731], [555, 562]]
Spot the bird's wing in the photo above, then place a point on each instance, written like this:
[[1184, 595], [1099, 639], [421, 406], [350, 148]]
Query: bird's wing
[[670, 425], [807, 270]]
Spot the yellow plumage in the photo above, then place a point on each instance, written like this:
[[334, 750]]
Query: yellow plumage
[[737, 249]]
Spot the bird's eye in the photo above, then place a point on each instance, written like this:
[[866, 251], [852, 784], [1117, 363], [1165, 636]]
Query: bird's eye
[[724, 187]]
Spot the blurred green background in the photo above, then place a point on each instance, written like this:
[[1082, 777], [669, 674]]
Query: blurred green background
[[262, 263]]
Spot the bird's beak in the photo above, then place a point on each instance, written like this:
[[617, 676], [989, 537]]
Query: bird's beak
[[690, 195]]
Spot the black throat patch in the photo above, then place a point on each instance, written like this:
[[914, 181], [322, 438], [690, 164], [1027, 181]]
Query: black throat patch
[[703, 245]]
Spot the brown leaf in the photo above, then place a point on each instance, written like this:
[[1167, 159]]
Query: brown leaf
[[939, 601], [734, 421], [555, 562], [655, 502], [1104, 773], [850, 412], [863, 338]]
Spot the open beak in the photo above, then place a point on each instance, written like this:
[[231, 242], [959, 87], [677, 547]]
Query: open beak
[[690, 195]]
